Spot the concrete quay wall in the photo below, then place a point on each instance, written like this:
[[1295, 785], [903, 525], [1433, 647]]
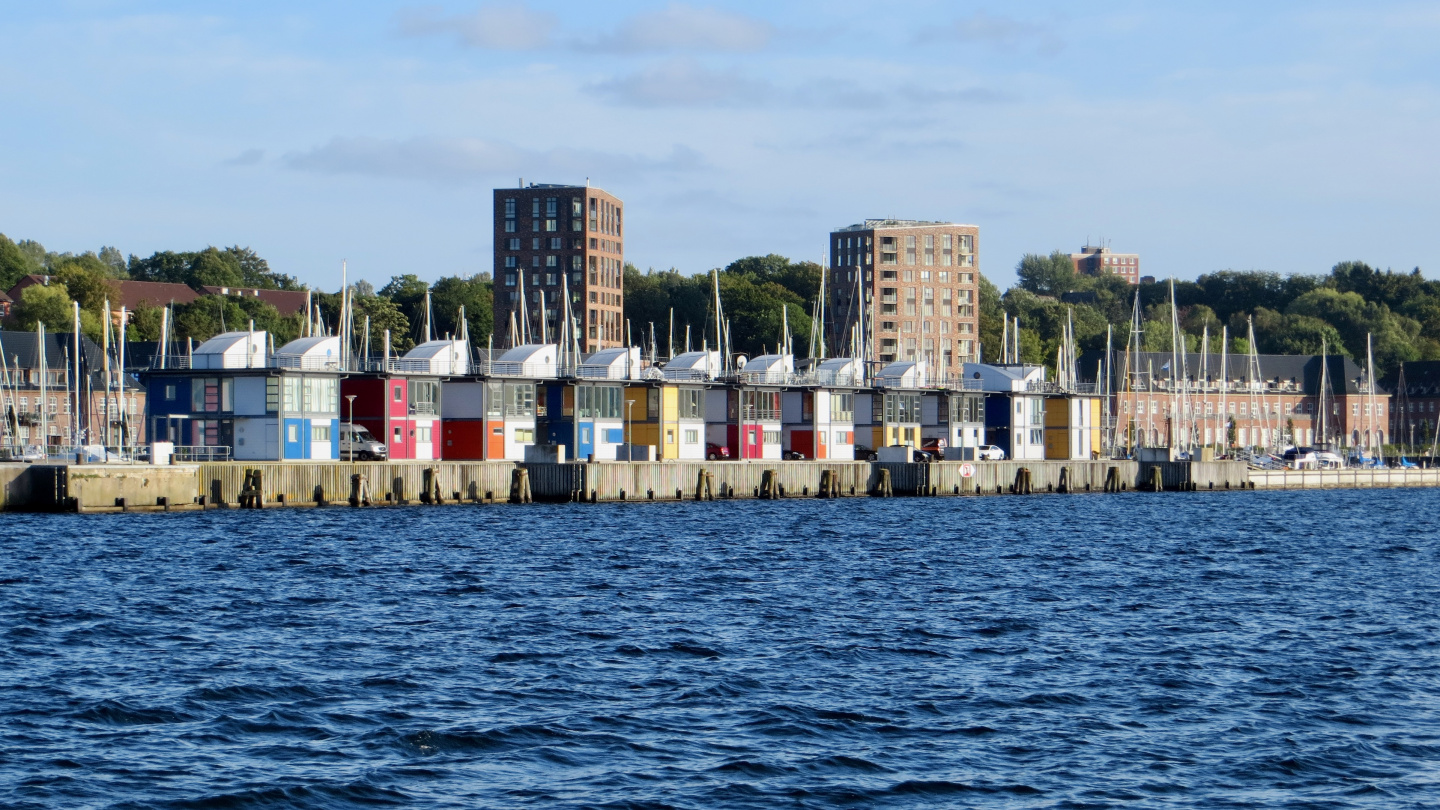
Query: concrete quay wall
[[302, 483], [1344, 479], [100, 487]]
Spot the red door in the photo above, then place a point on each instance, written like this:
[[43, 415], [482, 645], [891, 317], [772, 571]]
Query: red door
[[752, 437]]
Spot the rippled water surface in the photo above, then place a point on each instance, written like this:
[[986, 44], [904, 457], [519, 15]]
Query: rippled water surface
[[1197, 650]]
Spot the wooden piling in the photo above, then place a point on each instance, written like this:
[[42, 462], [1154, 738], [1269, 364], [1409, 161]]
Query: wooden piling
[[359, 490], [769, 485], [520, 486], [883, 486]]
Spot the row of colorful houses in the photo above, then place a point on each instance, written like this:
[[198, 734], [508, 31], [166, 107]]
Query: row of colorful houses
[[437, 402]]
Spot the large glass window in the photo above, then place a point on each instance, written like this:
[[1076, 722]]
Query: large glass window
[[290, 394], [691, 406], [424, 395], [600, 402], [519, 399], [842, 407], [212, 394], [902, 408], [761, 405]]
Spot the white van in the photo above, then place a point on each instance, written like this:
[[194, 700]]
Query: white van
[[357, 443]]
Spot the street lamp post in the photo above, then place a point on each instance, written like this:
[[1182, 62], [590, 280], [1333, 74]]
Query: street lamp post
[[350, 398]]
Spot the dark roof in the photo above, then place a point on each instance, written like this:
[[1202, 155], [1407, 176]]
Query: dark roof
[[135, 294], [22, 350], [1422, 379], [289, 302], [1344, 375]]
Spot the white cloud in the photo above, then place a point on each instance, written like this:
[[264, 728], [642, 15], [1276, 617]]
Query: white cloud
[[1005, 32], [684, 83], [515, 27], [466, 160], [492, 27], [682, 27], [249, 157]]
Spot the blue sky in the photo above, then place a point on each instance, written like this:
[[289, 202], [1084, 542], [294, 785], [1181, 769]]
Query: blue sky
[[1279, 136]]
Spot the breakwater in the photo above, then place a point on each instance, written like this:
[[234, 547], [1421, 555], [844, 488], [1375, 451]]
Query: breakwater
[[123, 488]]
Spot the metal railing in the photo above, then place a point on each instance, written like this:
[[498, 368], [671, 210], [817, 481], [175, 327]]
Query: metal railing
[[402, 365], [518, 369], [306, 362], [760, 414], [198, 453], [607, 372]]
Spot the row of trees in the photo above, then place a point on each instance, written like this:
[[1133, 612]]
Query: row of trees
[[757, 294], [1291, 314], [1294, 314], [91, 279]]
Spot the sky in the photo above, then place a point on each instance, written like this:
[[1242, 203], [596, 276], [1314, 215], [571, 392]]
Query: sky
[[1282, 136]]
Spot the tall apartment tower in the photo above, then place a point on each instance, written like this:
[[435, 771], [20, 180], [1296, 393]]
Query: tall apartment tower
[[914, 283], [546, 234], [1097, 261]]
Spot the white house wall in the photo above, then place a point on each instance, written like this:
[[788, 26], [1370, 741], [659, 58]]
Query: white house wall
[[257, 439]]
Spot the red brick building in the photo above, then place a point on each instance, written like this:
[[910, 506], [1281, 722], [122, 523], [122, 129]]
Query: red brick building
[[915, 285], [1415, 397], [546, 234], [1097, 261], [1278, 407]]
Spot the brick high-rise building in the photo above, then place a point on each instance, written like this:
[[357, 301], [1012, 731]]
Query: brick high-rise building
[[544, 231], [1095, 261], [920, 293]]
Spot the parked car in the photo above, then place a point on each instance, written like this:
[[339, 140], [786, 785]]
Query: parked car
[[793, 455], [989, 452], [863, 453], [935, 447], [357, 443], [714, 451]]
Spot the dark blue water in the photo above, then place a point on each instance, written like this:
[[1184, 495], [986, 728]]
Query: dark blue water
[[1193, 650]]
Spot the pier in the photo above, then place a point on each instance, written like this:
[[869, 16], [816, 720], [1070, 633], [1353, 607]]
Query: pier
[[222, 485]]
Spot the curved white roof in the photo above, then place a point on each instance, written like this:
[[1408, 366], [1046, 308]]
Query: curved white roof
[[612, 364], [839, 371], [703, 365], [529, 360], [771, 362], [316, 353], [769, 368], [326, 346], [530, 353], [438, 357], [231, 350], [902, 374]]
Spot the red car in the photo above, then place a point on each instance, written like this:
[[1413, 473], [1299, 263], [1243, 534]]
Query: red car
[[715, 451]]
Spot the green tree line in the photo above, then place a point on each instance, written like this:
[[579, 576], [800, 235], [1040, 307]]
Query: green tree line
[[90, 279], [1291, 314]]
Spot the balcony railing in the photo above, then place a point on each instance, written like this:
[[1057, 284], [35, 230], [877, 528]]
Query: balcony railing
[[305, 362], [518, 369], [760, 414], [608, 372]]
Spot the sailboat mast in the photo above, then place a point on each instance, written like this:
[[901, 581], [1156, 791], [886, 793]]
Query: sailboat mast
[[44, 412]]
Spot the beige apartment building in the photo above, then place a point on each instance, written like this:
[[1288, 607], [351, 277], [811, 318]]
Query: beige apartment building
[[914, 284], [549, 237]]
